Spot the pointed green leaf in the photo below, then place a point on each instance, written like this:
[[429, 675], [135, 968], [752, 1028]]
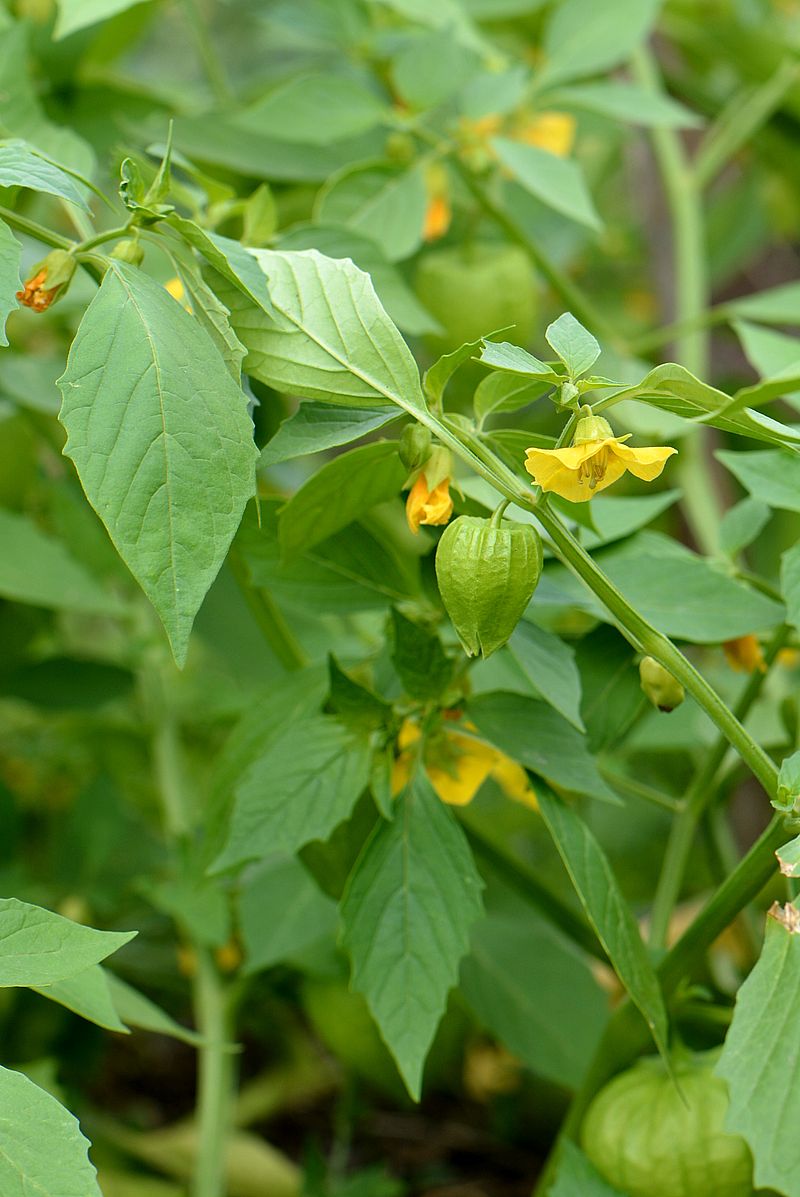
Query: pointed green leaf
[[761, 1057], [342, 491], [333, 341], [627, 102], [406, 915], [86, 993], [318, 426], [161, 439], [741, 524], [282, 913], [501, 355], [607, 911], [549, 664], [585, 38], [557, 182], [385, 203], [136, 1010], [42, 1150], [304, 785], [574, 344], [778, 305], [770, 475], [36, 569], [77, 14], [10, 283], [38, 947], [316, 110], [21, 165], [500, 392]]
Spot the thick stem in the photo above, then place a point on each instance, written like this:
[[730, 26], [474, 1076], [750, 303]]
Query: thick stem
[[215, 1076], [698, 798], [684, 199], [33, 229]]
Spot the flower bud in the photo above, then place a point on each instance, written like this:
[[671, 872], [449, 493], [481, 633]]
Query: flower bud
[[48, 280], [787, 798], [591, 428], [663, 690], [487, 572], [128, 250], [415, 446]]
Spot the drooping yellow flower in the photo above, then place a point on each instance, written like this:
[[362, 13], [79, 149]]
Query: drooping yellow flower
[[551, 131], [595, 459], [744, 655], [437, 218], [425, 506], [457, 765]]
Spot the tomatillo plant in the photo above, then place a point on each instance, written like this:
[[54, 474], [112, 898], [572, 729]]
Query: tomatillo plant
[[399, 598]]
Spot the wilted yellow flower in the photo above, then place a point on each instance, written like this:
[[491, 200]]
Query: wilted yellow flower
[[595, 459], [744, 655], [457, 766], [425, 506], [551, 131], [489, 1070]]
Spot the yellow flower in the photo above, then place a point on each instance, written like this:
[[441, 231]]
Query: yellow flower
[[437, 218], [744, 655], [457, 766], [425, 506], [595, 459], [175, 287], [551, 131]]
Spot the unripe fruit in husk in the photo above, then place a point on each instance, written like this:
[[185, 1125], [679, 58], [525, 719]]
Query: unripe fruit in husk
[[487, 572], [663, 690], [650, 1140], [473, 290], [128, 250]]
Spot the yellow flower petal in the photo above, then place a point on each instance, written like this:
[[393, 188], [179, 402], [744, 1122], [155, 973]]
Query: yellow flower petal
[[513, 780], [175, 288], [551, 131], [579, 472], [744, 655], [428, 507]]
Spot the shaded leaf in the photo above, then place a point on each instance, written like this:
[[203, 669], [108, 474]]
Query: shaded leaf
[[557, 182], [549, 664], [406, 925], [10, 283], [385, 203], [36, 569], [38, 947], [316, 109], [86, 993], [22, 165], [577, 1177], [318, 426], [282, 913]]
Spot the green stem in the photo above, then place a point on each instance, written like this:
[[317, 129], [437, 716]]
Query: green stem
[[33, 229], [269, 617], [637, 789], [647, 639], [101, 238], [698, 798], [208, 54], [691, 301], [215, 1076], [578, 303]]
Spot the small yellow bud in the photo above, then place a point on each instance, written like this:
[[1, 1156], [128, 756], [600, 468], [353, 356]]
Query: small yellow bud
[[663, 690]]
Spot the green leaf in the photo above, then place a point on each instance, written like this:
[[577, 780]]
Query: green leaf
[[77, 14], [36, 569], [42, 1150], [318, 426], [333, 340], [741, 524], [161, 439], [340, 492], [770, 475], [557, 182], [584, 38], [86, 993], [627, 102], [304, 785], [790, 584], [607, 911], [612, 695], [38, 947], [761, 1057], [337, 241], [617, 516], [212, 315], [282, 913], [506, 392], [437, 376], [316, 110], [549, 664], [680, 593], [576, 347], [673, 388], [138, 1011], [10, 282], [534, 734], [357, 569], [501, 355], [228, 258], [789, 858], [354, 704], [530, 989], [772, 354], [417, 654], [385, 203], [778, 305], [577, 1177], [405, 924], [21, 165], [431, 68]]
